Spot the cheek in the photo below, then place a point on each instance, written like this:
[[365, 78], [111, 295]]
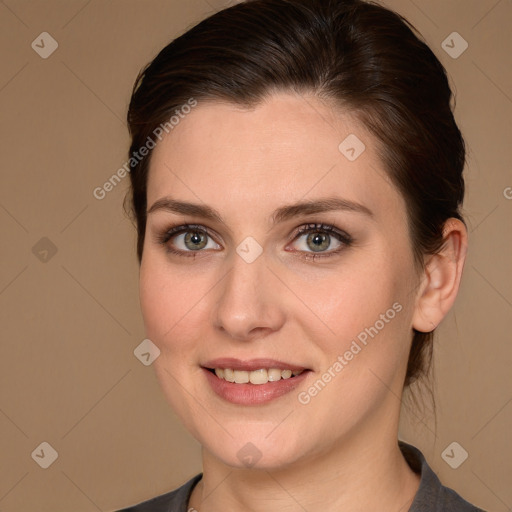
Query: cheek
[[366, 315], [354, 297], [364, 360], [155, 300], [174, 305]]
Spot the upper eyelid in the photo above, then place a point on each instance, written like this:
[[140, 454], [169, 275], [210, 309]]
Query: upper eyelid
[[183, 228]]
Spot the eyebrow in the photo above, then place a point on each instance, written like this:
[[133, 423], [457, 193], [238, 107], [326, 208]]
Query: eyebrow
[[280, 214]]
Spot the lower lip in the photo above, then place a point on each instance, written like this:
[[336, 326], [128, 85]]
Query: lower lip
[[252, 394]]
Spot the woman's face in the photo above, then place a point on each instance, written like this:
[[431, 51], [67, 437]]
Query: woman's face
[[245, 289]]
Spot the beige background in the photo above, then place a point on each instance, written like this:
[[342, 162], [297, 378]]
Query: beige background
[[68, 375]]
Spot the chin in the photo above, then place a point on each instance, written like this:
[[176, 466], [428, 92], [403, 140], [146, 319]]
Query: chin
[[256, 450]]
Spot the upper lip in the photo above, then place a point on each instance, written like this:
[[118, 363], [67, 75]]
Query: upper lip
[[250, 364]]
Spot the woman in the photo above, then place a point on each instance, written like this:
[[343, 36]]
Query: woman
[[297, 183]]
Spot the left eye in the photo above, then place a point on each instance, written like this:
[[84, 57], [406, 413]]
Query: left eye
[[320, 239], [194, 240]]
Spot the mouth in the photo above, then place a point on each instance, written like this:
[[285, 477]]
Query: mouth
[[253, 382]]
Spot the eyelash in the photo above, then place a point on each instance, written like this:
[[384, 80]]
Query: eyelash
[[345, 239]]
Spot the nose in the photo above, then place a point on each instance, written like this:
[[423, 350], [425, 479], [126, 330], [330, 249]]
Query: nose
[[248, 305]]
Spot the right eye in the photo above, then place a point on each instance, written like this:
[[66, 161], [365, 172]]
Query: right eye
[[187, 239]]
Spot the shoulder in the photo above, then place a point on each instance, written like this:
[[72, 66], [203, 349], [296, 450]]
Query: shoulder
[[174, 501], [432, 496]]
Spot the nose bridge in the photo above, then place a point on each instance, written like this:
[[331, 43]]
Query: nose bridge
[[246, 305]]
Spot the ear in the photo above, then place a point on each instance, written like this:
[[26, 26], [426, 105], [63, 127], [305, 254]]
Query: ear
[[441, 278]]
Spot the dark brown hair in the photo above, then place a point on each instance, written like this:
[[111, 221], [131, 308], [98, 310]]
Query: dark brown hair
[[358, 55]]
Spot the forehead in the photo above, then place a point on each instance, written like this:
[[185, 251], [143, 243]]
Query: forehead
[[287, 148]]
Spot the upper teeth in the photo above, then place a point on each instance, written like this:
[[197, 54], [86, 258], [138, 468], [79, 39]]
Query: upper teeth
[[255, 377]]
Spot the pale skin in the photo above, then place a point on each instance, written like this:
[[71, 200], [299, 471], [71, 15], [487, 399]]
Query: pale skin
[[338, 452]]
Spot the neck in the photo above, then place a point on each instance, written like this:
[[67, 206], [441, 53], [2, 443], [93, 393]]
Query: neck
[[363, 471]]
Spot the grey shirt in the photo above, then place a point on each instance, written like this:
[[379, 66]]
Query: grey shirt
[[432, 496]]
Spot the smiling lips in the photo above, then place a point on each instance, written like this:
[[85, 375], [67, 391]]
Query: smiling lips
[[252, 382]]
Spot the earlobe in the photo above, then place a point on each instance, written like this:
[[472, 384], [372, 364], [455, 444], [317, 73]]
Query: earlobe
[[441, 278]]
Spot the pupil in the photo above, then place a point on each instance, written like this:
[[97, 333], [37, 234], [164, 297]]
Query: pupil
[[320, 241], [195, 240]]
